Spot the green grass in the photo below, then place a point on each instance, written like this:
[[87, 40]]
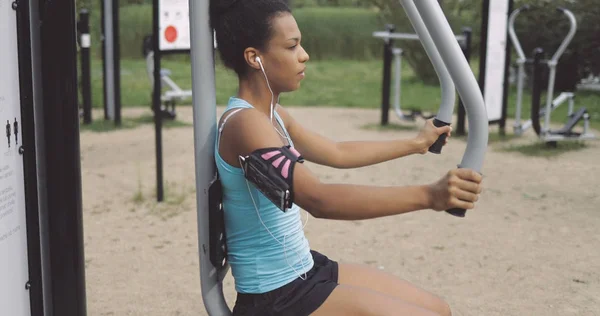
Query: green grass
[[338, 83], [101, 126]]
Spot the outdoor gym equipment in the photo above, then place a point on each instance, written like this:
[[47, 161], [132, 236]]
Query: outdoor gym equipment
[[170, 97], [436, 35], [390, 52], [545, 133]]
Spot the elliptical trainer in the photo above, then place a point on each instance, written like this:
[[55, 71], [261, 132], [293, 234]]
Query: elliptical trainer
[[545, 133]]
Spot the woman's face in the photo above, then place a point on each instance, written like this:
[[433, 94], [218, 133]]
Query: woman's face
[[284, 60]]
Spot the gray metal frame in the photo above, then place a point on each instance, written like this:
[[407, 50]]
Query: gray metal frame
[[446, 84], [109, 59], [429, 20], [175, 93], [551, 102]]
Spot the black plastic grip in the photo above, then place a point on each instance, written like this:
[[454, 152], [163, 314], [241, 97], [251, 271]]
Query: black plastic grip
[[458, 212], [436, 148]]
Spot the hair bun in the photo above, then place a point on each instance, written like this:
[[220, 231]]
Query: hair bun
[[220, 7]]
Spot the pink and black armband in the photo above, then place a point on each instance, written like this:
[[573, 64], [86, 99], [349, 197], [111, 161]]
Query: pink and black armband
[[271, 170]]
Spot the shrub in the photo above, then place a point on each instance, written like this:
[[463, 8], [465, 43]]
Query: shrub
[[460, 14], [328, 33], [346, 33], [543, 26]]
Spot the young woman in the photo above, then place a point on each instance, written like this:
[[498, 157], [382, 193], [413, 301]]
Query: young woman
[[275, 271]]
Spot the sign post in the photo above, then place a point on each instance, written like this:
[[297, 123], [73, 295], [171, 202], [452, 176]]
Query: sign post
[[171, 35]]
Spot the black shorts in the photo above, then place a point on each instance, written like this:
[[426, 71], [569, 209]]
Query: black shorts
[[298, 298]]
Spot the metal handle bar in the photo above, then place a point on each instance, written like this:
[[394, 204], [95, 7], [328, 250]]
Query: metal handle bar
[[454, 61], [563, 46], [444, 115], [513, 34]]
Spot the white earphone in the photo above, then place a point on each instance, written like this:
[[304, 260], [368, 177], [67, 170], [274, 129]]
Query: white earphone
[[283, 244], [259, 61]]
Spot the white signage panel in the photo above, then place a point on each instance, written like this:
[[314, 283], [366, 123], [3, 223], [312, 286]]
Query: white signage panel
[[174, 25], [14, 273], [496, 58]]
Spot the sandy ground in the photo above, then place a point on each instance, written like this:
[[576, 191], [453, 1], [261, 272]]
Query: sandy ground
[[532, 247]]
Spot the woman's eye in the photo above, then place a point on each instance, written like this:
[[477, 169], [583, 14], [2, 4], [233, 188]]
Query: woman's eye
[[293, 47]]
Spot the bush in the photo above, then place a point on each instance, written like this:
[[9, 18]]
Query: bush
[[544, 27], [460, 14], [328, 33], [328, 3], [339, 33]]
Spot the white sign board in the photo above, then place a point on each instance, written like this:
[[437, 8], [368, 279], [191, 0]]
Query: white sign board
[[14, 298], [174, 25], [496, 58]]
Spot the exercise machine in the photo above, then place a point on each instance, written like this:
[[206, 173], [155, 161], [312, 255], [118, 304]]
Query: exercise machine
[[395, 53], [170, 97], [574, 117], [436, 35]]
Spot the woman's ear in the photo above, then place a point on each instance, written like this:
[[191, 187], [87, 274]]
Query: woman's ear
[[250, 55]]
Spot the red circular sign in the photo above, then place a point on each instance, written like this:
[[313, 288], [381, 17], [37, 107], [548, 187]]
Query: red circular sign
[[171, 34]]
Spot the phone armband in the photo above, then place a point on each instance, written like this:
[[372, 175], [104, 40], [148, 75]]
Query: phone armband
[[271, 170]]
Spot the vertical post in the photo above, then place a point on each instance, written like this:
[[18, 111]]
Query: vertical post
[[502, 123], [61, 156], [387, 73], [205, 127], [108, 58], [466, 48], [156, 102], [485, 21], [536, 93], [84, 43], [116, 62], [30, 166]]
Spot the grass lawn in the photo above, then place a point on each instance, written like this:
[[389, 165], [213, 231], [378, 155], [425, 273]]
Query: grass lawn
[[340, 83]]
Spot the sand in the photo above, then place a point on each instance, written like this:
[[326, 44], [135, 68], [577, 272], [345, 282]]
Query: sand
[[532, 246]]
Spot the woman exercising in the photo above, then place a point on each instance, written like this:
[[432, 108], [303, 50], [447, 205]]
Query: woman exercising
[[275, 271]]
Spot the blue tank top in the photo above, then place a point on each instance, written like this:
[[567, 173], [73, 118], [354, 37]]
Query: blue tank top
[[267, 248]]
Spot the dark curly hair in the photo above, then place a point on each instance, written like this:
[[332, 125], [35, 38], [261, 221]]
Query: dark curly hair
[[240, 24]]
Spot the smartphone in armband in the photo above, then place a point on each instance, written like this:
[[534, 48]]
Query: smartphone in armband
[[266, 179]]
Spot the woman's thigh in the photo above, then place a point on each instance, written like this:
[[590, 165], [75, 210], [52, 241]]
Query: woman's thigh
[[379, 281], [349, 300]]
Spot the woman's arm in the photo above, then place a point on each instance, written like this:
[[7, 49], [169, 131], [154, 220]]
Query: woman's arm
[[251, 130], [353, 154]]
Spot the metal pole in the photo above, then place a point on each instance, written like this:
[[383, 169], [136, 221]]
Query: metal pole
[[463, 77], [30, 165], [116, 63], [446, 109], [35, 16], [205, 127], [465, 81], [86, 85], [466, 48], [502, 123], [536, 93], [109, 59], [385, 88], [156, 103], [518, 126], [58, 68], [397, 52]]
